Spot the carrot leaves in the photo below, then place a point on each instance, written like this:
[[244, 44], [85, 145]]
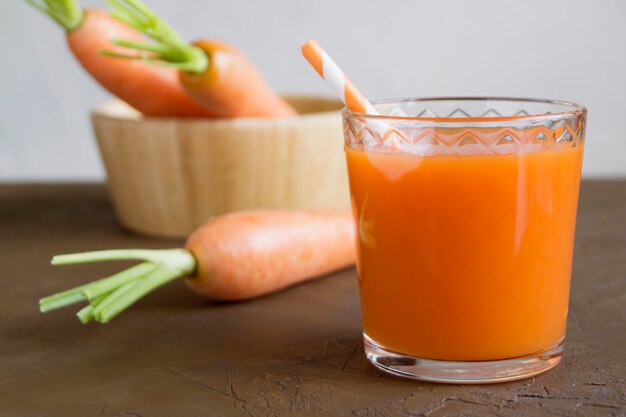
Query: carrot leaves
[[66, 13], [110, 296], [168, 48]]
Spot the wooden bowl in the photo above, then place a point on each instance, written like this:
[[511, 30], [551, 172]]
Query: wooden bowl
[[168, 176]]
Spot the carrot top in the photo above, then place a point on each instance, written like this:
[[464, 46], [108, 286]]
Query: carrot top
[[65, 12], [168, 48], [110, 296]]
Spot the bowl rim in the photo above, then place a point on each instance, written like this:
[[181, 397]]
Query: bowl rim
[[118, 110]]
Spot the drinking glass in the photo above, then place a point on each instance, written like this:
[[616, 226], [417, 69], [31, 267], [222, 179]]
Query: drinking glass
[[465, 210]]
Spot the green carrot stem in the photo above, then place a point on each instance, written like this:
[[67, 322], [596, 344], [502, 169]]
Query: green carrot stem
[[112, 298], [141, 17], [88, 291], [169, 47], [166, 55], [141, 57], [66, 13], [155, 279], [85, 315], [61, 299], [123, 56], [107, 285], [111, 295], [129, 13], [163, 50], [148, 255]]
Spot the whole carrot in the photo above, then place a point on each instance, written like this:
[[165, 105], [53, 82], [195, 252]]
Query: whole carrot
[[219, 76], [154, 91], [232, 257]]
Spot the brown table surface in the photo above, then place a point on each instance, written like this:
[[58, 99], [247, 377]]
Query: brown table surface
[[298, 352]]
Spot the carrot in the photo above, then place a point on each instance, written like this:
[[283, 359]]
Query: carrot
[[154, 91], [232, 257], [217, 75]]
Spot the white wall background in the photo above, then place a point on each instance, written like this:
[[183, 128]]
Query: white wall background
[[566, 49]]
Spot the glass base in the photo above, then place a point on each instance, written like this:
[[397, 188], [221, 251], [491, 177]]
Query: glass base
[[453, 372]]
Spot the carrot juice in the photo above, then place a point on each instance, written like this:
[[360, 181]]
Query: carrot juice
[[465, 258]]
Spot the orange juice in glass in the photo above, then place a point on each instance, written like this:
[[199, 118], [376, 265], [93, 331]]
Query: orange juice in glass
[[465, 212]]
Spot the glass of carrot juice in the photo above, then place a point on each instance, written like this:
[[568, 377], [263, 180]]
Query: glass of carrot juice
[[465, 211]]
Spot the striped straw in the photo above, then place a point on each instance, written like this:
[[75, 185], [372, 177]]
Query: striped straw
[[336, 79], [346, 91]]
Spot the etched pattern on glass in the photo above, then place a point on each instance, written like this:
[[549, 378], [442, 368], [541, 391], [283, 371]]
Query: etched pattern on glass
[[467, 127]]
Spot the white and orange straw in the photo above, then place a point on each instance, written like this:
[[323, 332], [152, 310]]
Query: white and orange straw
[[346, 91], [336, 79]]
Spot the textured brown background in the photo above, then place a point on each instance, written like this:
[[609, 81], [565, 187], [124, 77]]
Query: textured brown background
[[298, 352]]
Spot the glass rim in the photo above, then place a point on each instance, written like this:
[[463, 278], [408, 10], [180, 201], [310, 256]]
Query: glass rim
[[576, 110]]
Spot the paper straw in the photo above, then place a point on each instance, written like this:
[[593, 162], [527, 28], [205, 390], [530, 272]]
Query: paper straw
[[336, 79], [346, 91]]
